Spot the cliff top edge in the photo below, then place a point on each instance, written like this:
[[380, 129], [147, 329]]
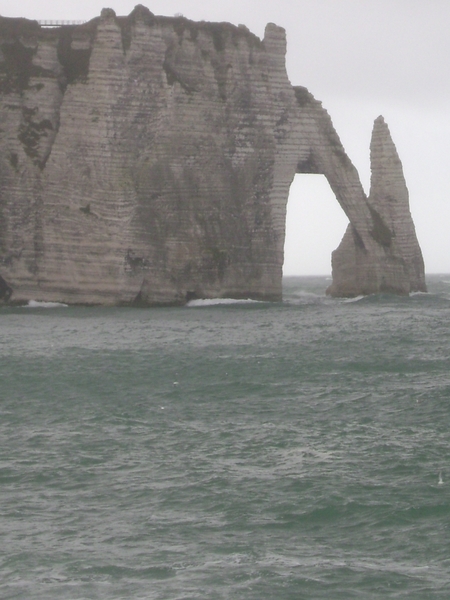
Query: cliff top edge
[[140, 14]]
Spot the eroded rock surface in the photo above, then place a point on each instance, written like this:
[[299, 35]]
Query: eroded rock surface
[[388, 257], [148, 160]]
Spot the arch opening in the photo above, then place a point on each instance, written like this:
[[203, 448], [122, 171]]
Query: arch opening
[[315, 225]]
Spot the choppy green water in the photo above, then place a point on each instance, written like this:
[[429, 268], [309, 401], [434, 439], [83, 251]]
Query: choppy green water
[[241, 451]]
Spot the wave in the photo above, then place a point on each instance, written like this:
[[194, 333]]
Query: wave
[[355, 299], [36, 304], [220, 301]]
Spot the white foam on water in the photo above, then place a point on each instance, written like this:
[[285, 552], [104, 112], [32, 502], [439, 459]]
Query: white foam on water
[[36, 304], [356, 299], [218, 301]]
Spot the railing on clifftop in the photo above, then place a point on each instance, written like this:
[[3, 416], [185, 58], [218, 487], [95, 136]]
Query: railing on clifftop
[[47, 23]]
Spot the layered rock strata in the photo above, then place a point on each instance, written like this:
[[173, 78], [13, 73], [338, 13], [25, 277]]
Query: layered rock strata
[[148, 160], [394, 263]]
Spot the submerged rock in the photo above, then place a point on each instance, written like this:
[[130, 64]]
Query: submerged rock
[[148, 160]]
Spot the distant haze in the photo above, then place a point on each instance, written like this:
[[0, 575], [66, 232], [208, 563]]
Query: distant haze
[[361, 58]]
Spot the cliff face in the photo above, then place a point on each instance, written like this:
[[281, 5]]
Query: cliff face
[[148, 160]]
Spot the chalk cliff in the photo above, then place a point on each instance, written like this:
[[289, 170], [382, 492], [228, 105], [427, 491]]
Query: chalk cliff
[[394, 263], [148, 160]]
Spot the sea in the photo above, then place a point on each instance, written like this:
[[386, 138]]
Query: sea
[[231, 450]]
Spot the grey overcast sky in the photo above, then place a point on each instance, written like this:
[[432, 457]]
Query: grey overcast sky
[[361, 58]]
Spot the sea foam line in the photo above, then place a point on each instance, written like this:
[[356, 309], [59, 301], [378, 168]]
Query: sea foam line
[[356, 299], [219, 301], [36, 304]]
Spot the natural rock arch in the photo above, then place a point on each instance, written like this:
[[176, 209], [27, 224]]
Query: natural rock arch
[[148, 160], [380, 251]]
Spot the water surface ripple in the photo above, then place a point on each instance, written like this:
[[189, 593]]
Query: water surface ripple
[[227, 451]]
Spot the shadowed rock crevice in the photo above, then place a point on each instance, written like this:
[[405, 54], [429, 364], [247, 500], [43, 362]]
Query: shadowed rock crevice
[[74, 53], [5, 291], [380, 232], [147, 160]]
